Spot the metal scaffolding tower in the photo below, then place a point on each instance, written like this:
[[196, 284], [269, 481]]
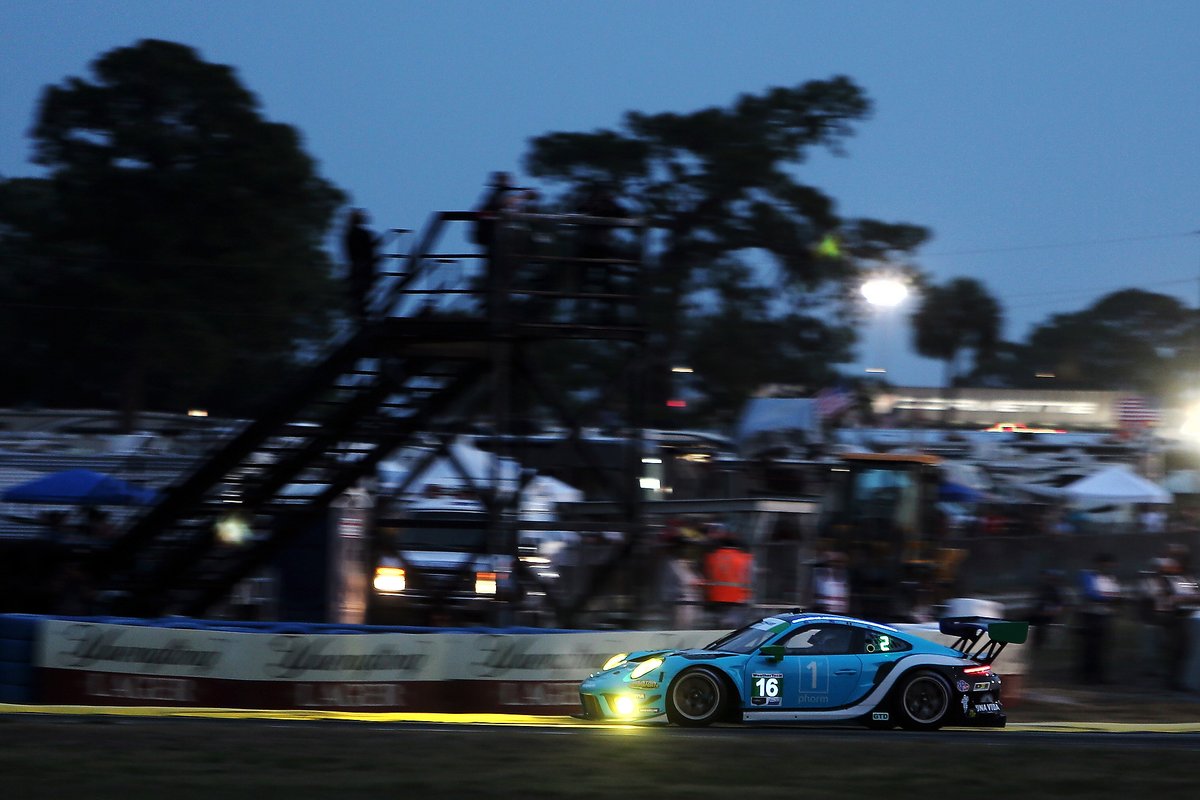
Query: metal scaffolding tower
[[543, 329]]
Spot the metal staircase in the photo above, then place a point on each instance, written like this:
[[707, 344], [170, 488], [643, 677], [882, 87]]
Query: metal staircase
[[450, 337]]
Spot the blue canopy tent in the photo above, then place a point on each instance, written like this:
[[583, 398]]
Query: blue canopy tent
[[79, 487], [950, 491]]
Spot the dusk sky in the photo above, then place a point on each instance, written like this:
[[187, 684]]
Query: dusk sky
[[1053, 147]]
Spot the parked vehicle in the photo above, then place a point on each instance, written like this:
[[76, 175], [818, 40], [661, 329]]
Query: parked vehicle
[[435, 567]]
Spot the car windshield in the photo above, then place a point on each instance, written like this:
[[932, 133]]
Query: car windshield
[[419, 537], [749, 638]]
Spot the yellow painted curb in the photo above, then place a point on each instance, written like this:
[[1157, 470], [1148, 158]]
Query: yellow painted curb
[[1107, 727], [299, 714], [506, 719]]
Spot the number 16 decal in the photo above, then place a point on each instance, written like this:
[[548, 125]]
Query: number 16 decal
[[766, 688]]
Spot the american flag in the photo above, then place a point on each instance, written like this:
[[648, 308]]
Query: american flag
[[1134, 412], [831, 402]]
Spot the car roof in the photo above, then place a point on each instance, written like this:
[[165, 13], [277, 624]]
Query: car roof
[[810, 616]]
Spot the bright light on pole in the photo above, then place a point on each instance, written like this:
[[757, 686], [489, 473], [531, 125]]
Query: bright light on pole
[[884, 292], [1190, 429]]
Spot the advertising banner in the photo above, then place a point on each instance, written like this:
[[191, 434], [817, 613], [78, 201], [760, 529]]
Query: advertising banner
[[107, 664]]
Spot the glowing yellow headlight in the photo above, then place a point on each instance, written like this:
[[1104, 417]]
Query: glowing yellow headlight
[[646, 666], [615, 660], [624, 705]]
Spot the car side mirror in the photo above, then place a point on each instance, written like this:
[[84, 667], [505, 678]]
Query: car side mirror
[[772, 651]]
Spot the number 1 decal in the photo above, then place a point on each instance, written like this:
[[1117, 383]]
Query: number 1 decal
[[814, 677]]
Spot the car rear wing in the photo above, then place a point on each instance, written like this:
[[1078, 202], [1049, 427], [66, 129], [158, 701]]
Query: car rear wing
[[969, 631]]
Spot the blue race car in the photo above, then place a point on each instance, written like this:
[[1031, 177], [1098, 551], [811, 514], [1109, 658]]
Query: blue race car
[[814, 668]]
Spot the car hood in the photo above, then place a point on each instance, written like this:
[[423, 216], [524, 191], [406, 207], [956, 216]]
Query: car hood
[[692, 654]]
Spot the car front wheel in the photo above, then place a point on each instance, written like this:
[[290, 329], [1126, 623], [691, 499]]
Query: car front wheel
[[696, 698], [924, 701]]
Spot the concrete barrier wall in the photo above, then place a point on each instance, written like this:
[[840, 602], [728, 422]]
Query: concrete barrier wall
[[194, 663], [1191, 667], [17, 633]]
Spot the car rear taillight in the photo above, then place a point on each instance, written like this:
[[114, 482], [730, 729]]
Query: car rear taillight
[[981, 670]]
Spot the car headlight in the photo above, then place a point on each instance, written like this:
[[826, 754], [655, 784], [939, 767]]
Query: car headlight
[[648, 665], [624, 706], [614, 661]]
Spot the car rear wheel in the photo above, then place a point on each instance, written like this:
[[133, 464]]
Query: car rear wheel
[[923, 701], [696, 698]]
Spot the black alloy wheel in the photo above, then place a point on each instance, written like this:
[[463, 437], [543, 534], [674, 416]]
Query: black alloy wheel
[[924, 701], [696, 698]]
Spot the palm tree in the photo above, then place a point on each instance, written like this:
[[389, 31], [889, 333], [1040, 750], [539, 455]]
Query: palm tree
[[953, 318]]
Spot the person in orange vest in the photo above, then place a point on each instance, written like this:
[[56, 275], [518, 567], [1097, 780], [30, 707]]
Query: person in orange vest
[[728, 578]]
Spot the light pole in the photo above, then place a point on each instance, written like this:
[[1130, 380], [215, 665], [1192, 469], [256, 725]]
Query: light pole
[[884, 292]]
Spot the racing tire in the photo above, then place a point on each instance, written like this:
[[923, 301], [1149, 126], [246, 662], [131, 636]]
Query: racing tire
[[923, 701], [697, 698]]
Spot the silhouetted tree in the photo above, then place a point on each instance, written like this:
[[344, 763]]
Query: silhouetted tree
[[1010, 365], [954, 318], [738, 283], [173, 255], [1131, 339]]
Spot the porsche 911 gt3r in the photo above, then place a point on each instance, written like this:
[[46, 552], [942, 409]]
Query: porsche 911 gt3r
[[814, 668]]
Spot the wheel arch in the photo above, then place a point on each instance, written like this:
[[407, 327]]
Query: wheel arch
[[731, 675], [896, 700], [725, 675]]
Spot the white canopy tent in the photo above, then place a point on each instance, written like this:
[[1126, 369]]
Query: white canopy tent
[[1117, 484], [1182, 481], [542, 494], [764, 416], [537, 501]]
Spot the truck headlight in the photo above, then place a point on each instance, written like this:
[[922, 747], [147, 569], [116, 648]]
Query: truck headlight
[[389, 580]]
